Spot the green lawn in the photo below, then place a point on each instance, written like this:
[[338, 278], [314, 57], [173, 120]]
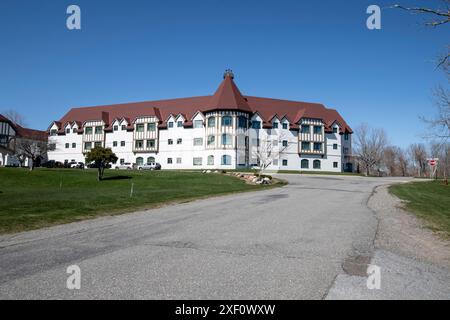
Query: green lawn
[[30, 200], [428, 200]]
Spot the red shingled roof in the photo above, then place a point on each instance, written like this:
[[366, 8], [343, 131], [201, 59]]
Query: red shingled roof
[[227, 97], [25, 132]]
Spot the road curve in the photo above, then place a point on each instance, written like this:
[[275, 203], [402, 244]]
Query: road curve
[[283, 243]]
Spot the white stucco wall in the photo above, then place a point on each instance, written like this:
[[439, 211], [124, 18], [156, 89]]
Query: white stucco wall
[[182, 155]]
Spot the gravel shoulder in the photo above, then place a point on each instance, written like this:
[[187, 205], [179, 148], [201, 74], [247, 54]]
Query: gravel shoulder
[[403, 233], [414, 261]]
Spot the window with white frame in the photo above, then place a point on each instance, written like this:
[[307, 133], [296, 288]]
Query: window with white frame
[[316, 164], [151, 126], [227, 121], [140, 127], [226, 160], [139, 144], [198, 142], [150, 144], [197, 161], [226, 139], [305, 164], [87, 145], [198, 124]]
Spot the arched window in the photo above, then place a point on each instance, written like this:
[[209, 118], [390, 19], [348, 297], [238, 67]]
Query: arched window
[[305, 164], [210, 160], [226, 139], [227, 121], [316, 164], [151, 160], [226, 160], [139, 161], [211, 122]]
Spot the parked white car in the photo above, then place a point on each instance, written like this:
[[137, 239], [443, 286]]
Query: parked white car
[[76, 165], [124, 166], [150, 166]]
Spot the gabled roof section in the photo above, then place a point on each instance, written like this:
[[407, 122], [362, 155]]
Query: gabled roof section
[[228, 97], [25, 133]]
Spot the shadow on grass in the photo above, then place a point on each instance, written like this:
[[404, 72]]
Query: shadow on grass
[[117, 178]]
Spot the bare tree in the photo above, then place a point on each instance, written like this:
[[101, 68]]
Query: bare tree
[[269, 150], [33, 148], [369, 146], [403, 162], [436, 17], [441, 151], [390, 155], [440, 124], [15, 117], [419, 157]]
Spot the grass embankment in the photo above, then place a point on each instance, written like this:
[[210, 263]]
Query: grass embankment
[[44, 197], [428, 200]]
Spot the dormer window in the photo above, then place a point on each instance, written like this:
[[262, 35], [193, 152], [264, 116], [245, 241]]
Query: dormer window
[[116, 128], [256, 124], [335, 130], [275, 125], [170, 124], [198, 124], [74, 130], [179, 124], [124, 127], [53, 132], [67, 130], [285, 125]]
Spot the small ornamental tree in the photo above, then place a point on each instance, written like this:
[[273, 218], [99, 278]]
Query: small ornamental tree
[[101, 157]]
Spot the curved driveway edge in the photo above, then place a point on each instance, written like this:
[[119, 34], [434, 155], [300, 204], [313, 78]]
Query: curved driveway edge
[[282, 243], [414, 263]]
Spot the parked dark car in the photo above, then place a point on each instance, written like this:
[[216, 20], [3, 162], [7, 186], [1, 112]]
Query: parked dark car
[[93, 165], [52, 164]]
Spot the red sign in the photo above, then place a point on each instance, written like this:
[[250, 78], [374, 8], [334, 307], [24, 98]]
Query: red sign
[[432, 162]]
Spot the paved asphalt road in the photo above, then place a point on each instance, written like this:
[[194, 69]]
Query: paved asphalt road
[[284, 243]]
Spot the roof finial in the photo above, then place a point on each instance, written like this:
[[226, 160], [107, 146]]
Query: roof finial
[[228, 73]]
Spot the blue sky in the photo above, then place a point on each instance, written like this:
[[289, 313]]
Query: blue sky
[[136, 50]]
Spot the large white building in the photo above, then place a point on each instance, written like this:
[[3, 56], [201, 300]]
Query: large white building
[[224, 131]]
